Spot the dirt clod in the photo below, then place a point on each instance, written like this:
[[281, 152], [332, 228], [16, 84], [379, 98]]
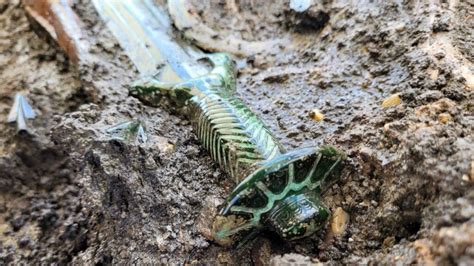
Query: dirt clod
[[69, 193]]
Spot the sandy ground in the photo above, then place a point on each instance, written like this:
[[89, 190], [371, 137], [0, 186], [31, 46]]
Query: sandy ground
[[70, 193]]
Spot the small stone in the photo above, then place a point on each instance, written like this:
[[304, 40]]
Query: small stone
[[169, 148], [434, 73], [316, 115], [164, 145], [392, 100], [444, 118], [339, 222], [260, 61], [400, 27], [465, 178]]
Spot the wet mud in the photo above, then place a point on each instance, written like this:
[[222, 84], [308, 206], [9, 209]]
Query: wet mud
[[71, 193]]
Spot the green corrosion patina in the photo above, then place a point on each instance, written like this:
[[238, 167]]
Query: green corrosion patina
[[277, 190]]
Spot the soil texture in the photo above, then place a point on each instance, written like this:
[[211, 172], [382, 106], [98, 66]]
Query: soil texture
[[70, 193]]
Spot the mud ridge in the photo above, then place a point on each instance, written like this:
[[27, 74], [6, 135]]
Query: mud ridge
[[71, 193]]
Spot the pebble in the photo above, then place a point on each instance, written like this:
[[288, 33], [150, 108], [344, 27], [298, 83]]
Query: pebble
[[316, 115], [434, 74], [339, 222], [400, 27], [164, 145], [444, 118], [392, 100]]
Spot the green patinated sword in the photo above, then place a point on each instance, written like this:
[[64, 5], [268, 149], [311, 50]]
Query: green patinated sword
[[276, 189]]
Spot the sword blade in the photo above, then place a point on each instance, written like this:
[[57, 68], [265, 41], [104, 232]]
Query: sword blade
[[144, 31]]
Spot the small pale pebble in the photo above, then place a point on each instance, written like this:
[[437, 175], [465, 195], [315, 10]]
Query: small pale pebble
[[444, 118], [399, 27], [434, 73], [163, 144], [392, 100], [316, 115], [340, 220], [169, 148]]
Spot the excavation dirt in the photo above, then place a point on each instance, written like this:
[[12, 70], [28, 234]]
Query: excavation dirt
[[69, 193]]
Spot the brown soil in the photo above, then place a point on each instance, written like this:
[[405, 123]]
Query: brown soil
[[70, 193]]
